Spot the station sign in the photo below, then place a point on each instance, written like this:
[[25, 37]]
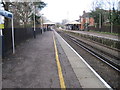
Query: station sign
[[9, 15], [6, 14], [1, 26]]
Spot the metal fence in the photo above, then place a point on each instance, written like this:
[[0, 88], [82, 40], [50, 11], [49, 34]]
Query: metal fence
[[116, 29], [21, 34]]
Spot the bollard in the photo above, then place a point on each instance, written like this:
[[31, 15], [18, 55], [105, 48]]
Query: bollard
[[34, 34], [41, 30]]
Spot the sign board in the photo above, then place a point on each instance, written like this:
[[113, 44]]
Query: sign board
[[9, 15], [6, 14], [1, 19], [1, 26]]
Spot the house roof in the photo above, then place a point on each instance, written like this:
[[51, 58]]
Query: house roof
[[86, 15]]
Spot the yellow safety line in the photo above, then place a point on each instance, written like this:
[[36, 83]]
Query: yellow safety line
[[61, 78]]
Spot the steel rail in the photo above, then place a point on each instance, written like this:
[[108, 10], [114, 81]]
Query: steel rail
[[100, 57]]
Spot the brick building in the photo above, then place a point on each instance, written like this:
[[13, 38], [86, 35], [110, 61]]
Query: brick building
[[86, 21]]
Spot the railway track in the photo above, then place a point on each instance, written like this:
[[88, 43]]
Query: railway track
[[86, 47], [106, 68]]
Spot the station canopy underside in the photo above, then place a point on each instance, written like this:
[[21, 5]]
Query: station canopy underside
[[73, 22], [49, 23]]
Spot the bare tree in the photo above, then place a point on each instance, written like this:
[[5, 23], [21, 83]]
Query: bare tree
[[22, 12]]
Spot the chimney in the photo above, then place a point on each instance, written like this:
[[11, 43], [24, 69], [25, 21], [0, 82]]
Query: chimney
[[84, 12]]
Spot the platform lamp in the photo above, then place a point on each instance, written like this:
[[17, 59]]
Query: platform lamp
[[34, 23], [41, 22]]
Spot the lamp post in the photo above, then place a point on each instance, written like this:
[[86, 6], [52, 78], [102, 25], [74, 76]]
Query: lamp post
[[42, 23], [1, 34], [34, 24], [100, 21]]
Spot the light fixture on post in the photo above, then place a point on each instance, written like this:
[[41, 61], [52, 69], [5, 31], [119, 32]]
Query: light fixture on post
[[34, 24]]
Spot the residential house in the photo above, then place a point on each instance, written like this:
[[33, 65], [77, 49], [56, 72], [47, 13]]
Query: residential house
[[86, 20]]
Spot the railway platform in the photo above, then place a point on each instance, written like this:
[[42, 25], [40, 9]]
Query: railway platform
[[48, 62], [100, 35]]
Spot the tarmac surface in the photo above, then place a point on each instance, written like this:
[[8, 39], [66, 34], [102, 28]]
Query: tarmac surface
[[33, 60], [34, 65]]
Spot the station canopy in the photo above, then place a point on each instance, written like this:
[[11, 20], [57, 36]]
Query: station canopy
[[49, 23], [73, 22]]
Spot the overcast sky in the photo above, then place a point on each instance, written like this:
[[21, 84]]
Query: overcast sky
[[58, 10]]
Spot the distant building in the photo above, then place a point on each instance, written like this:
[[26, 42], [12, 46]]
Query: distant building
[[74, 25]]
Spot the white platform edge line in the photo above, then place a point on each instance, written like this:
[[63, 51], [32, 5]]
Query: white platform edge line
[[103, 81]]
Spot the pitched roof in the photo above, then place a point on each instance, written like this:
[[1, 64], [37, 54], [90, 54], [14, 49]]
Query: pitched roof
[[86, 15]]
